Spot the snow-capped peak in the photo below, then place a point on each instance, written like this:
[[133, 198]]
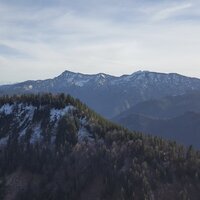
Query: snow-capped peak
[[80, 80]]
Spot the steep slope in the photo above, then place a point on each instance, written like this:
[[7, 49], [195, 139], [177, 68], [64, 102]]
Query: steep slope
[[110, 95], [55, 147]]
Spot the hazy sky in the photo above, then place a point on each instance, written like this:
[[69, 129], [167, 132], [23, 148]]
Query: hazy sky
[[42, 38]]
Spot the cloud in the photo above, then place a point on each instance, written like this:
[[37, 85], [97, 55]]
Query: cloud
[[171, 11], [44, 39], [9, 51]]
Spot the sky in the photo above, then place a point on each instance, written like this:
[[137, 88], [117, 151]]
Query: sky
[[40, 39]]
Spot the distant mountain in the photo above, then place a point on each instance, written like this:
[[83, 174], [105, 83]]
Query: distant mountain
[[172, 117], [54, 147], [110, 95], [166, 107], [184, 129]]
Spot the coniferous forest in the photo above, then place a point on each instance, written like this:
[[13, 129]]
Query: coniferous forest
[[54, 147]]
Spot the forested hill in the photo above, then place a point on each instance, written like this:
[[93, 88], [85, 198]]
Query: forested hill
[[53, 147]]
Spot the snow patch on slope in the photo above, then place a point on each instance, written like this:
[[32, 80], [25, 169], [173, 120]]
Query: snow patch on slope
[[6, 109], [83, 134], [56, 114], [24, 116], [80, 83], [36, 135], [29, 110]]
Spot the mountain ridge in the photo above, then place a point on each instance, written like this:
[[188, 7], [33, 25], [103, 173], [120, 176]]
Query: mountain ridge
[[106, 94], [166, 117], [136, 73], [184, 129], [167, 107]]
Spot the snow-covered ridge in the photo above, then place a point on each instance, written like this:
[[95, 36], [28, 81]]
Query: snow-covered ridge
[[138, 77], [23, 122], [112, 94]]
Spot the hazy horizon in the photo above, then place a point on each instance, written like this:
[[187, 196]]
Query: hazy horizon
[[41, 39]]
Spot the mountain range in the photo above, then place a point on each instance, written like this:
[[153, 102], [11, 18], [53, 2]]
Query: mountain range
[[167, 107], [161, 104], [172, 117], [109, 95]]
